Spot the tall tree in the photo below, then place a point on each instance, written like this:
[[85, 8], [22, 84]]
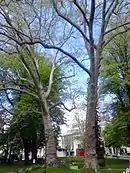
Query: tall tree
[[77, 19], [34, 70], [115, 74]]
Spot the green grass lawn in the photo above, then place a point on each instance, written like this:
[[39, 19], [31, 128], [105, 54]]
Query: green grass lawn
[[117, 163], [9, 168], [112, 166], [65, 170]]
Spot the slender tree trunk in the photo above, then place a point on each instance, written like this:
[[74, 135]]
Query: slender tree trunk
[[90, 129], [90, 133], [51, 142], [100, 150], [94, 149], [51, 150], [49, 134]]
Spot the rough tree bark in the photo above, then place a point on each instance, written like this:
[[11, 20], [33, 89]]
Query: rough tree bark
[[51, 148], [49, 135], [90, 135]]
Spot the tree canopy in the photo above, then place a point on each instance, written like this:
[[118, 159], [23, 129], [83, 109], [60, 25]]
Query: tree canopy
[[115, 81], [26, 129]]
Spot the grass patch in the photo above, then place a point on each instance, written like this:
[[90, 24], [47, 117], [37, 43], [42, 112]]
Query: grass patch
[[117, 163], [5, 168], [109, 163], [112, 166], [65, 170]]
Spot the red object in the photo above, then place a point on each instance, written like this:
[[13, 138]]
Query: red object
[[79, 152]]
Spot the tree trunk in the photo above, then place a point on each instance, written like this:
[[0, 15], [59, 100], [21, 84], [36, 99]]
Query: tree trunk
[[50, 142], [99, 144], [91, 115], [49, 134], [51, 150], [90, 135], [94, 149]]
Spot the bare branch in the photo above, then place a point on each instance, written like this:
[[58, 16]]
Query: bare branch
[[11, 113], [113, 29], [18, 89], [113, 36], [70, 22], [50, 80], [103, 11], [66, 53], [5, 83], [8, 98], [10, 37], [82, 11], [110, 12], [7, 18], [61, 103], [47, 47], [109, 7], [101, 38], [27, 80], [68, 108], [66, 77], [27, 67], [91, 19], [8, 52]]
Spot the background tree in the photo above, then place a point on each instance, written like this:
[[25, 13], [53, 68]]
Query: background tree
[[115, 81], [78, 126], [116, 133], [19, 80]]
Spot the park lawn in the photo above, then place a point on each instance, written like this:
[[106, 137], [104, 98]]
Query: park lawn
[[112, 166], [11, 168], [59, 170], [117, 163], [65, 170], [8, 168]]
